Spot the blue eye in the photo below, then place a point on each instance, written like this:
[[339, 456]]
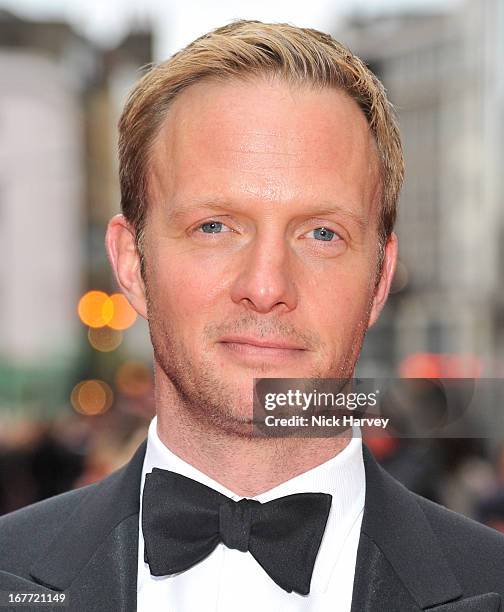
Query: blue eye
[[212, 227], [324, 233]]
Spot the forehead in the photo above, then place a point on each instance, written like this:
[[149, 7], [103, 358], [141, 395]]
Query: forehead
[[264, 138]]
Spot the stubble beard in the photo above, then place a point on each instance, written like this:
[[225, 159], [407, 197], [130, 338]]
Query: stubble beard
[[211, 401]]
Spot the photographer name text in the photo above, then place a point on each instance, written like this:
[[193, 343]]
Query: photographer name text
[[325, 421]]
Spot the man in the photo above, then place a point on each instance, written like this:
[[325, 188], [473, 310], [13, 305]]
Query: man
[[260, 169]]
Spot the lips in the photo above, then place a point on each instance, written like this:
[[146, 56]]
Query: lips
[[265, 343], [250, 351]]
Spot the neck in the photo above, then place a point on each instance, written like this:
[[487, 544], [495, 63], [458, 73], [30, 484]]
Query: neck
[[245, 465]]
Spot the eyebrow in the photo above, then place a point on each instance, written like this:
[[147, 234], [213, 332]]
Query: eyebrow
[[215, 204], [220, 205], [334, 209]]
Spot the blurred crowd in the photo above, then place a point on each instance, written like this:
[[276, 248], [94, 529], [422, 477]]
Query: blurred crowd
[[39, 459]]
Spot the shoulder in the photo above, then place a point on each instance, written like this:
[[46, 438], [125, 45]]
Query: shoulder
[[78, 516], [469, 546], [426, 543], [26, 532], [474, 551]]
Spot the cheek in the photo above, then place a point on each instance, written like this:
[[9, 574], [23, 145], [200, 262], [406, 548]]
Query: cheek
[[340, 306], [185, 292]]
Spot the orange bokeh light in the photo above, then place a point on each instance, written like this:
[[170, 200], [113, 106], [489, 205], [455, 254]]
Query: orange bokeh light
[[104, 339], [92, 309], [133, 378], [91, 397], [97, 309], [441, 365], [119, 312]]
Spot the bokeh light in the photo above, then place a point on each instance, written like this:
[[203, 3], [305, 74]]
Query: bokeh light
[[93, 309], [119, 312], [91, 397], [96, 309], [134, 379], [104, 339], [441, 365]]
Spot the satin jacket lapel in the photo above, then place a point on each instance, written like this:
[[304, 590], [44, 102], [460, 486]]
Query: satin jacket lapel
[[93, 558], [399, 560], [377, 587]]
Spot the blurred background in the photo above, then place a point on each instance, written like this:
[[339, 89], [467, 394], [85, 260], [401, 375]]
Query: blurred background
[[75, 362]]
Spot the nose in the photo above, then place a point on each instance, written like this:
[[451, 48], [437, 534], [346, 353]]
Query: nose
[[264, 282]]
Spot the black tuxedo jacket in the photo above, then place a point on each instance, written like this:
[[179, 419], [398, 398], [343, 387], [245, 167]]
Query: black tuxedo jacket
[[413, 554]]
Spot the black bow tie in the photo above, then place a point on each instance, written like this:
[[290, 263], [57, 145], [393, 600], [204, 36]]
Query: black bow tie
[[184, 520]]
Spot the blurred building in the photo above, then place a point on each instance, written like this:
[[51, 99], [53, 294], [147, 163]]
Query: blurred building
[[443, 72], [58, 187]]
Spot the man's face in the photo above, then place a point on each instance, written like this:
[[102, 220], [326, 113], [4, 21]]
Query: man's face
[[261, 229]]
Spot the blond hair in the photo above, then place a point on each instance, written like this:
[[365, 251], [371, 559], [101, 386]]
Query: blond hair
[[245, 49]]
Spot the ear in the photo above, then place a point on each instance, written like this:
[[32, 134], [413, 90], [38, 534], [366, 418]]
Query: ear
[[387, 274], [125, 261]]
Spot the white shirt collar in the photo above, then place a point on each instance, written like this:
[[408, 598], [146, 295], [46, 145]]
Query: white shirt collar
[[343, 477]]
